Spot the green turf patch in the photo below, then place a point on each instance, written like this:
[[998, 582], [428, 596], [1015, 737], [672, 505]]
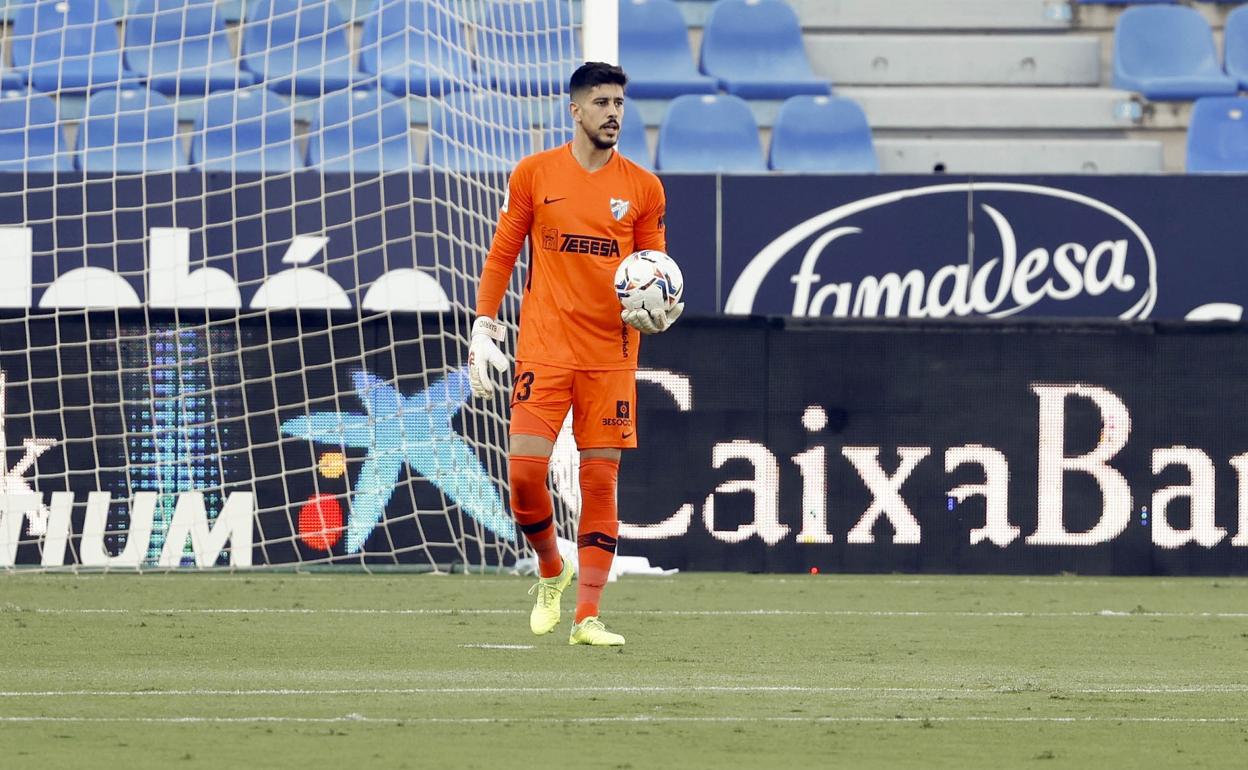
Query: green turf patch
[[719, 671]]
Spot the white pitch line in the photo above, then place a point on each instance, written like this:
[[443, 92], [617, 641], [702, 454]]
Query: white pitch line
[[1106, 613], [498, 646], [627, 690], [405, 721]]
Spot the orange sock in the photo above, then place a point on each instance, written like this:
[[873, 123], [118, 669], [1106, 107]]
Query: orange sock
[[534, 511], [596, 537]]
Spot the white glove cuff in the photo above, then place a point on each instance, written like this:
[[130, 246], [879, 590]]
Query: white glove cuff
[[490, 328]]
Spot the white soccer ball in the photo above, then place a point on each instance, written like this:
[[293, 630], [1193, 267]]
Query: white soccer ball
[[648, 279]]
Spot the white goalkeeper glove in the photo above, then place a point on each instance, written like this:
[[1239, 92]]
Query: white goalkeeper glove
[[652, 321], [483, 353]]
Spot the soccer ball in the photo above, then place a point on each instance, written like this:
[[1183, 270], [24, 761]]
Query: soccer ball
[[648, 279]]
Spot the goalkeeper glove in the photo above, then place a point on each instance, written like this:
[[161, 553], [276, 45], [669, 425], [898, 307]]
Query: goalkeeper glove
[[483, 353], [652, 321]]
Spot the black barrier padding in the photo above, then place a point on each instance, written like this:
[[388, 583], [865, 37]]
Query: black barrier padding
[[884, 385], [787, 421]]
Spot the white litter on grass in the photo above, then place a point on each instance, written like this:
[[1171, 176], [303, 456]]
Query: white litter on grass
[[621, 565]]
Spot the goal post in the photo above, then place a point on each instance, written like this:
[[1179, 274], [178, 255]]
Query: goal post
[[234, 331], [601, 31]]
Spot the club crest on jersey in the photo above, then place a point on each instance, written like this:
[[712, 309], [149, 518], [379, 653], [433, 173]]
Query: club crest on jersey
[[618, 208]]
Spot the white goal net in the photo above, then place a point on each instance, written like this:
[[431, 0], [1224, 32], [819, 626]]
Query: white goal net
[[240, 246]]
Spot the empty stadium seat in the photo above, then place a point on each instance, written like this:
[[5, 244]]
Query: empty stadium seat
[[1167, 52], [249, 130], [1236, 45], [822, 134], [298, 47], [527, 47], [364, 130], [30, 137], [755, 49], [129, 130], [67, 45], [709, 134], [416, 46], [654, 51], [1217, 135], [180, 47], [478, 131]]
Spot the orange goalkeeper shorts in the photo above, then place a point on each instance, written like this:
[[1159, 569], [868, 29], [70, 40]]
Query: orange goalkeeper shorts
[[602, 404]]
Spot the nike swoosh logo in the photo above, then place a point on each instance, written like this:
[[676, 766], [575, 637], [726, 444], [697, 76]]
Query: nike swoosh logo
[[627, 435], [549, 201]]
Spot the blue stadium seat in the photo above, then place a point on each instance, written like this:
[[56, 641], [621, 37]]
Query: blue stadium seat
[[632, 143], [67, 45], [755, 49], [364, 130], [12, 81], [1236, 45], [478, 131], [527, 47], [30, 137], [416, 46], [1167, 52], [654, 51], [298, 47], [1217, 135], [247, 130], [180, 47], [825, 134], [129, 130], [709, 134]]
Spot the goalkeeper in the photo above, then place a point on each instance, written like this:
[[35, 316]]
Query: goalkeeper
[[583, 207]]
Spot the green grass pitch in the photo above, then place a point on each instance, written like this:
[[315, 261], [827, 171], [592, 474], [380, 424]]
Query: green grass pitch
[[363, 671]]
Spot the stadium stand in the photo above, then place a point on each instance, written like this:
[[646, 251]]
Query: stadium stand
[[1217, 138], [30, 136], [1235, 45], [754, 48], [416, 46], [363, 130], [180, 47], [1006, 86], [249, 130], [655, 52], [533, 36], [709, 133], [1168, 52], [822, 134], [478, 131], [67, 45], [129, 130], [980, 87], [298, 47]]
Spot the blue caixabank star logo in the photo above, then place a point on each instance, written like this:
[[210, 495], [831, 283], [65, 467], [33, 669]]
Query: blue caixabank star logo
[[414, 431]]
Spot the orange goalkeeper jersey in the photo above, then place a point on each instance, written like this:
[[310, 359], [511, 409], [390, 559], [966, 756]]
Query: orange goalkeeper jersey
[[580, 225]]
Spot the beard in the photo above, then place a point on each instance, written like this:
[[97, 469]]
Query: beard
[[601, 141]]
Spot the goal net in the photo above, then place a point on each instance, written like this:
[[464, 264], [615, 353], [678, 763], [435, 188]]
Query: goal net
[[240, 247]]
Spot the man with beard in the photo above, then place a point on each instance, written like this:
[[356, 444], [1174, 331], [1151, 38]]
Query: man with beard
[[583, 207]]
